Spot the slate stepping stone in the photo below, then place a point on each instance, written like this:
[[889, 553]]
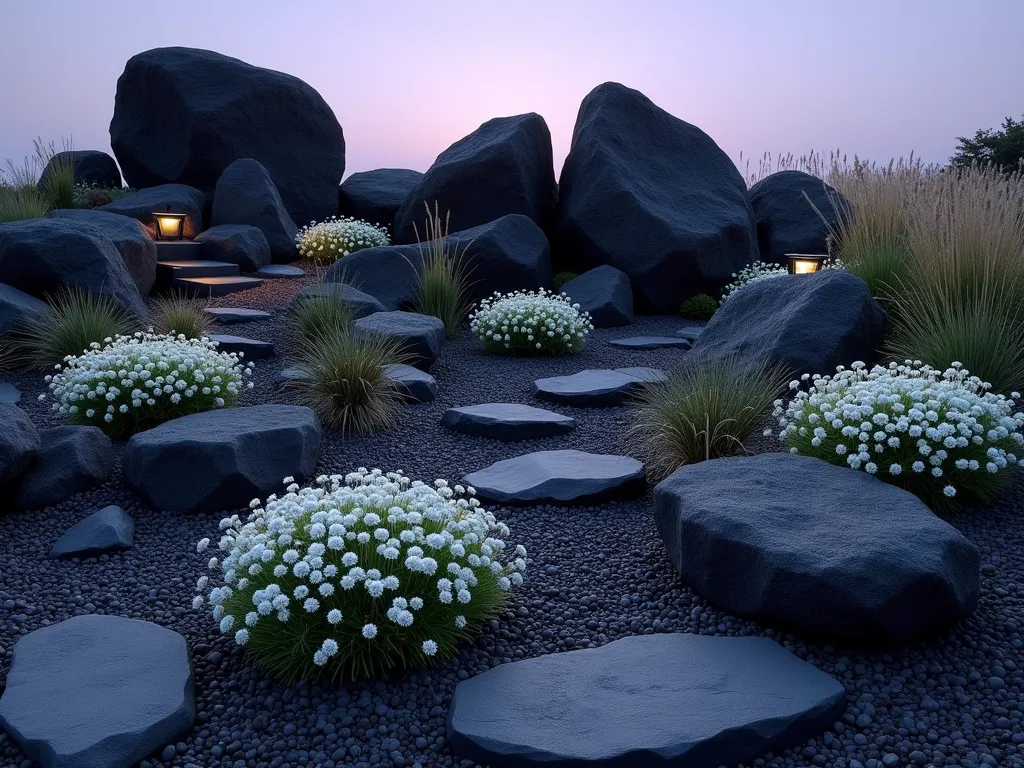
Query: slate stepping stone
[[558, 477], [280, 270], [71, 460], [690, 332], [647, 375], [421, 336], [9, 393], [98, 692], [681, 700], [105, 530], [825, 550], [251, 349], [231, 315], [650, 342], [416, 386], [19, 442], [592, 388], [507, 421], [292, 373]]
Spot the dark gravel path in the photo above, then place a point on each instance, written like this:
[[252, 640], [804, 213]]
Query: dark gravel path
[[597, 574]]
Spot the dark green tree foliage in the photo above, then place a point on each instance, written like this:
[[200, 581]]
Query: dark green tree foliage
[[1003, 147]]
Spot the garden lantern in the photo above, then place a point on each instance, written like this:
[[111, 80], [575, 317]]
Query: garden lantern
[[804, 263], [169, 226]]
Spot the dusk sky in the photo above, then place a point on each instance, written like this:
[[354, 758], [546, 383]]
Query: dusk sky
[[407, 78]]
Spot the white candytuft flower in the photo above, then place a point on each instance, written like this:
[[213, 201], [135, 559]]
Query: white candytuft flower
[[429, 647], [369, 631], [534, 322], [338, 237], [760, 271]]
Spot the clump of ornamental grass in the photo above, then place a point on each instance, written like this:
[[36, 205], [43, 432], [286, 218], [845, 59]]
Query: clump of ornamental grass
[[704, 411], [531, 322], [78, 319], [320, 316], [181, 315], [18, 203], [57, 181], [444, 286], [327, 241], [358, 575], [699, 307], [132, 383], [561, 278]]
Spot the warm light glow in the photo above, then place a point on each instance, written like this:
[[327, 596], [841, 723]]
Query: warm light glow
[[804, 264], [169, 226]]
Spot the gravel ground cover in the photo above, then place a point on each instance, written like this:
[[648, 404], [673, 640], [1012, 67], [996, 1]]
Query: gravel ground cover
[[597, 573]]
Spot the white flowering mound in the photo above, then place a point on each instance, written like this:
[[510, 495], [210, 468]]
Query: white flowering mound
[[940, 435], [136, 382], [359, 574], [532, 322], [336, 237], [760, 271]]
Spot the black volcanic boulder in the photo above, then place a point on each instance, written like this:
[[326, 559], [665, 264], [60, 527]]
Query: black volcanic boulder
[[794, 212], [375, 196], [246, 194], [420, 336], [651, 195], [91, 168], [800, 543], [503, 167], [40, 256], [808, 323], [170, 198], [239, 244], [184, 115], [129, 236], [71, 459], [605, 293], [359, 304], [18, 309], [19, 442]]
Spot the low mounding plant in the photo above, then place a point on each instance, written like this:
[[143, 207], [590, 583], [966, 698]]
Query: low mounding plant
[[699, 307], [444, 279], [180, 315], [561, 278], [940, 435], [533, 322], [703, 412], [318, 316], [78, 319], [91, 196], [358, 575], [136, 382], [336, 237]]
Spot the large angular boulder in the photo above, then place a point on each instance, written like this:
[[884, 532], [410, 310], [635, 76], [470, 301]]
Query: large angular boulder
[[41, 256], [167, 198], [375, 196], [797, 542], [795, 212], [690, 701], [91, 168], [71, 460], [390, 275], [246, 194], [19, 442], [129, 236], [19, 310], [221, 459], [184, 115], [420, 336], [653, 196], [105, 530], [240, 244], [807, 323], [359, 304], [503, 167], [98, 692], [605, 293]]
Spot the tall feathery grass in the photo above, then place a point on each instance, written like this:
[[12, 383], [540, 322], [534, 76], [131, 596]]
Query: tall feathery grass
[[79, 318], [444, 289], [27, 193], [179, 314], [57, 181]]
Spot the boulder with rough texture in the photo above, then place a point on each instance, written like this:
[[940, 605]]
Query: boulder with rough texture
[[169, 198], [795, 213], [246, 194], [105, 530], [98, 692], [41, 256], [504, 166], [241, 244], [184, 115], [18, 309], [690, 701], [415, 385], [137, 249], [807, 323], [690, 225], [558, 477], [91, 168], [389, 274], [592, 388], [229, 456], [9, 393], [420, 336], [797, 542], [19, 442], [71, 460], [375, 196], [507, 421], [359, 303], [605, 293]]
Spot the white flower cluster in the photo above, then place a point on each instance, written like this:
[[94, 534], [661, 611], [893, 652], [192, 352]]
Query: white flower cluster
[[145, 378], [760, 271], [336, 237], [367, 556], [910, 424], [531, 322]]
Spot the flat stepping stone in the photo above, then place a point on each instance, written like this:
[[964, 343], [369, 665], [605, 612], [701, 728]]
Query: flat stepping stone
[[216, 286], [558, 477], [592, 388], [251, 349], [507, 421], [292, 373], [690, 332], [681, 700], [9, 393], [415, 385], [800, 543], [420, 336], [105, 530], [98, 692], [650, 342], [647, 375], [280, 270], [231, 315], [71, 459]]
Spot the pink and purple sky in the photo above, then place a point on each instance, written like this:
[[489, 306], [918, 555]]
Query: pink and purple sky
[[406, 78]]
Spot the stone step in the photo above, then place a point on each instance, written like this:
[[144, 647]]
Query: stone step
[[215, 286], [178, 250], [172, 270]]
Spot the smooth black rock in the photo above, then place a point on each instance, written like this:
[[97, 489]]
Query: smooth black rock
[[91, 168], [105, 530], [390, 275], [280, 271], [807, 323], [592, 388], [19, 442], [375, 196], [830, 551], [359, 303], [420, 336], [18, 309], [650, 342], [558, 477], [605, 293], [415, 385], [230, 456], [184, 115], [246, 194], [794, 212], [170, 198], [129, 236], [71, 459], [680, 700], [9, 393], [232, 315], [504, 166], [98, 692], [241, 244], [507, 421], [690, 222], [249, 349]]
